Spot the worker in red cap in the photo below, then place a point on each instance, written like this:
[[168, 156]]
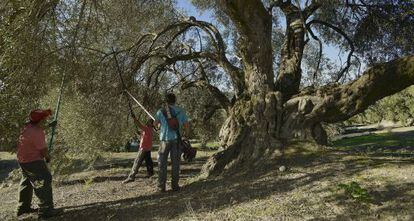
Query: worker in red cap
[[32, 155]]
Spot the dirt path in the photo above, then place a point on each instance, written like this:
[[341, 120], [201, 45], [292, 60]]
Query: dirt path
[[306, 191]]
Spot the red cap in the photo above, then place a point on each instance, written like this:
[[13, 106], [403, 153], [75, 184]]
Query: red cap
[[38, 115]]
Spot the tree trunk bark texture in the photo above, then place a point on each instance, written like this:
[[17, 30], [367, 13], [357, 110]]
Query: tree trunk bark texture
[[255, 130], [249, 135]]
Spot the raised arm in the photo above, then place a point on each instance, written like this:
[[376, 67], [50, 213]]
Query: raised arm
[[139, 123]]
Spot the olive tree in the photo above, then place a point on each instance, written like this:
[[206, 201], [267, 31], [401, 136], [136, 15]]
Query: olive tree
[[269, 107]]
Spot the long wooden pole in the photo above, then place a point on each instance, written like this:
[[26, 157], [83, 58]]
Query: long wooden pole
[[142, 106], [56, 113]]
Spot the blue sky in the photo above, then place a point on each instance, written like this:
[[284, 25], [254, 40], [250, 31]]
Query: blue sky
[[190, 10]]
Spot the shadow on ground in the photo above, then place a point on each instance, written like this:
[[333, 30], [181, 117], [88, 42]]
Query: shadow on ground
[[214, 194], [6, 166]]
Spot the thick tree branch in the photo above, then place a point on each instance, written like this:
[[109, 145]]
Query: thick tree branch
[[290, 72], [339, 103], [254, 25]]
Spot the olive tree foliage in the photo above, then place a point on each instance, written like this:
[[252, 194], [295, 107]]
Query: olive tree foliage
[[42, 41], [21, 32], [205, 118]]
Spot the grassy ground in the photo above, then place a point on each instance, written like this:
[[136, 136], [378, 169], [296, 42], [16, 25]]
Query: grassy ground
[[376, 140], [396, 143], [307, 190]]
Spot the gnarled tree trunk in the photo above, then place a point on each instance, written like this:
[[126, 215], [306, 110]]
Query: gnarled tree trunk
[[252, 132]]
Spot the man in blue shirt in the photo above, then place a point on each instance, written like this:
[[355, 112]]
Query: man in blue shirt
[[169, 138]]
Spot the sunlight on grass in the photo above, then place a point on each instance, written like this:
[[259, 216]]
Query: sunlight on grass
[[7, 156], [210, 145], [374, 140]]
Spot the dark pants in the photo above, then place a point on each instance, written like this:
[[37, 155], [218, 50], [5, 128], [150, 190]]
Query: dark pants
[[142, 155], [35, 176], [169, 148]]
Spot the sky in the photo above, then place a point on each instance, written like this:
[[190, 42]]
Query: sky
[[190, 10]]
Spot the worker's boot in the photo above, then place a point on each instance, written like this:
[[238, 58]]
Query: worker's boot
[[175, 188], [150, 174], [128, 180], [161, 188], [24, 211]]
